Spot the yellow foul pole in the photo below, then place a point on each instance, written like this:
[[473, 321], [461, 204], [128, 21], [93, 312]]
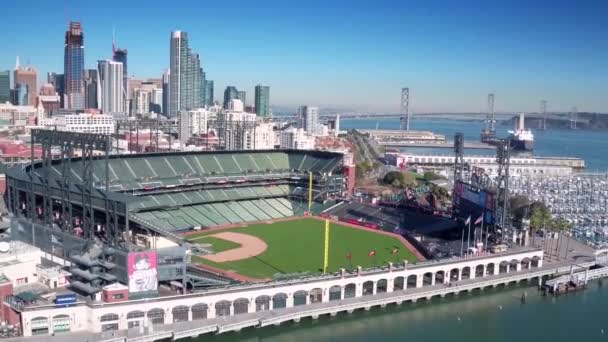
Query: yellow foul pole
[[326, 247], [310, 192]]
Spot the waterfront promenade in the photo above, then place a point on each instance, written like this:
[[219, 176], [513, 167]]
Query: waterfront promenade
[[314, 311]]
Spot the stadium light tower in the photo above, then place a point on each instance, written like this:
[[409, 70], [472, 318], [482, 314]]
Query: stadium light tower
[[405, 109]]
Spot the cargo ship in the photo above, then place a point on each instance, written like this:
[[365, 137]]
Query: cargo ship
[[521, 138]]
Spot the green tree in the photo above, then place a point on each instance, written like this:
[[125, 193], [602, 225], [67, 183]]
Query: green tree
[[540, 216], [431, 176]]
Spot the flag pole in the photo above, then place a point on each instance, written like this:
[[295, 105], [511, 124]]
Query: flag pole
[[462, 243], [469, 236]]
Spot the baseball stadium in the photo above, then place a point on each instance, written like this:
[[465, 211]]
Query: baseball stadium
[[180, 244], [209, 218]]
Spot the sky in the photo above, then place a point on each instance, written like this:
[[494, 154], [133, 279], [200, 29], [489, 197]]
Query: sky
[[345, 54]]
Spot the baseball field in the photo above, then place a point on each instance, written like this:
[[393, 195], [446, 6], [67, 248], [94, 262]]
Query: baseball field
[[261, 251]]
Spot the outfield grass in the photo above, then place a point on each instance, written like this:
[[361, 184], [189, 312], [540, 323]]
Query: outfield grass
[[219, 245], [297, 246]]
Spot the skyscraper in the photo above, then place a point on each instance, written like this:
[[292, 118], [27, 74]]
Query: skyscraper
[[166, 93], [74, 67], [230, 93], [310, 118], [5, 86], [26, 79], [111, 83], [262, 100], [209, 93], [120, 55], [185, 75], [243, 97], [21, 95], [58, 81], [90, 88]]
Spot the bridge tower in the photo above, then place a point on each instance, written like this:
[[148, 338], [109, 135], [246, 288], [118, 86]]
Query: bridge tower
[[488, 134], [573, 117], [543, 112], [404, 119]]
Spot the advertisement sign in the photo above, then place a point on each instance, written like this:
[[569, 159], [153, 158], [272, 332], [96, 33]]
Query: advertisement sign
[[472, 201], [142, 272]]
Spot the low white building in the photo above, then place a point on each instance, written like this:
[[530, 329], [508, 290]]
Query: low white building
[[18, 262], [193, 122], [18, 115], [263, 136], [84, 123], [297, 138]]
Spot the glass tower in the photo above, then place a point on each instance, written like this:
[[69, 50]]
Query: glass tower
[[185, 84], [209, 93], [5, 86], [262, 100], [230, 93], [73, 64]]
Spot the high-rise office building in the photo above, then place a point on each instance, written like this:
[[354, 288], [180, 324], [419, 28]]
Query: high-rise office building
[[262, 100], [243, 97], [120, 55], [156, 100], [230, 93], [166, 92], [111, 84], [209, 93], [185, 75], [5, 86], [58, 81], [74, 67], [26, 80], [21, 95], [90, 88], [310, 118]]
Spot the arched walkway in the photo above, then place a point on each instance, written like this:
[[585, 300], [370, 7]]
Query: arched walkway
[[526, 264], [335, 293], [156, 316], [381, 286], [222, 308], [300, 298], [350, 290], [479, 270], [316, 295], [465, 273], [535, 261], [503, 267], [241, 306], [490, 269], [368, 288], [279, 301], [513, 265], [427, 279], [199, 311], [398, 284], [180, 313], [411, 281], [454, 274], [440, 277], [262, 303]]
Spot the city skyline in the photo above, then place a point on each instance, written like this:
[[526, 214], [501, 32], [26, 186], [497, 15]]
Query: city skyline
[[353, 57]]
